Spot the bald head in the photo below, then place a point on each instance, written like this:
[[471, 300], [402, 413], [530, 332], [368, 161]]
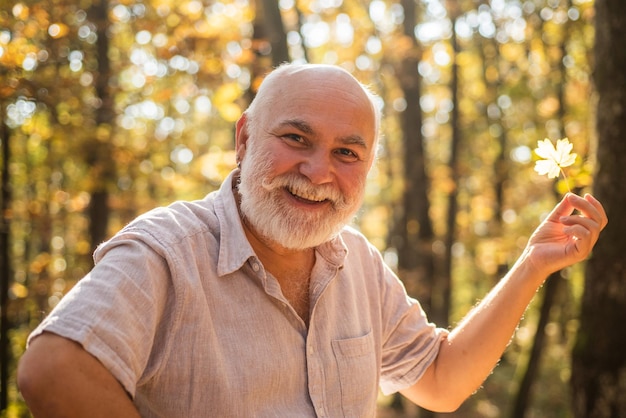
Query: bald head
[[324, 79]]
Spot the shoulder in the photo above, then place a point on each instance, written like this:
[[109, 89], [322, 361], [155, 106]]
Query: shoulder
[[164, 227], [180, 219]]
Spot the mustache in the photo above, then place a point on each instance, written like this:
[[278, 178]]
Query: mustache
[[302, 187]]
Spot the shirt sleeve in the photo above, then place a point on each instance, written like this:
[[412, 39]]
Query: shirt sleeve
[[411, 343], [114, 310]]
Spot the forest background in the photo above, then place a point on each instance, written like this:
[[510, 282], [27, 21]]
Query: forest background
[[109, 108]]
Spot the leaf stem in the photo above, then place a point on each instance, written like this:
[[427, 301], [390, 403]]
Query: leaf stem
[[565, 179]]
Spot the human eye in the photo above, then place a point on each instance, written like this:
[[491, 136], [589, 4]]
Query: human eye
[[293, 138], [348, 155]]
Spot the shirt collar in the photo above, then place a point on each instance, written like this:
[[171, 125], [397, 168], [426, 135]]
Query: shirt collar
[[334, 251], [235, 249]]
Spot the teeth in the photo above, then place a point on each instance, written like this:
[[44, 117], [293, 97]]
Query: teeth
[[305, 195]]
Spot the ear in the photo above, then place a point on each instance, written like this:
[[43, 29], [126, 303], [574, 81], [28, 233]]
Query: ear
[[241, 136]]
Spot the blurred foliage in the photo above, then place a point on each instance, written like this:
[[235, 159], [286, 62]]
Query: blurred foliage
[[181, 74]]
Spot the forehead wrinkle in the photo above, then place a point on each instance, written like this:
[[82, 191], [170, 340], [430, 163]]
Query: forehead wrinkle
[[299, 124]]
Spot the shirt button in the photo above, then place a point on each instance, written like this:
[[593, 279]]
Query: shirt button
[[255, 266]]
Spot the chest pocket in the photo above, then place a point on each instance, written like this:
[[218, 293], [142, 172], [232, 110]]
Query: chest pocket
[[358, 374]]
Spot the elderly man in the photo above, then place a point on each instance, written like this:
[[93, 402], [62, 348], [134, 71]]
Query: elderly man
[[259, 301]]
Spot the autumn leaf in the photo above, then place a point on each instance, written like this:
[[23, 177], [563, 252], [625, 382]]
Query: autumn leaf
[[554, 159]]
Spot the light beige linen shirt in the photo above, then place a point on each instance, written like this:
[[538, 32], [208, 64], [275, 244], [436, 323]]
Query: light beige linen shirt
[[181, 311]]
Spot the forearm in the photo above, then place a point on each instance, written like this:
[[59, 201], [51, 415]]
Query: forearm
[[58, 378], [475, 346]]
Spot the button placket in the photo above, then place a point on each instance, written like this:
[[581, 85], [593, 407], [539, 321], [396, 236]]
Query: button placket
[[315, 377]]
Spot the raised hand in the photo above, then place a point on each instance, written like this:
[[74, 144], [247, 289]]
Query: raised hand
[[566, 237]]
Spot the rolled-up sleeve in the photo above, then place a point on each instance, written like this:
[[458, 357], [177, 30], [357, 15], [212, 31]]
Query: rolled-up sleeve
[[113, 311], [410, 344]]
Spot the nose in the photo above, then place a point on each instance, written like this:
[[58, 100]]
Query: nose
[[317, 168]]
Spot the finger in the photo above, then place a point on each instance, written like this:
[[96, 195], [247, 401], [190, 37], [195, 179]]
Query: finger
[[599, 208], [581, 239], [587, 208], [585, 222], [578, 231], [581, 227]]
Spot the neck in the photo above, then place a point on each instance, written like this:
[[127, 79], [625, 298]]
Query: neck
[[277, 258]]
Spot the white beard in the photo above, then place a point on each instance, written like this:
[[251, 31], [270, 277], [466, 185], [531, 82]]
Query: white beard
[[264, 208]]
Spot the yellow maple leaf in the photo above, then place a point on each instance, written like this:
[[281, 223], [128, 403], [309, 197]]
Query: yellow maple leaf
[[554, 159]]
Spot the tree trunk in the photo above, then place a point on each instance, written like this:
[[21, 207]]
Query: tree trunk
[[414, 231], [414, 235], [522, 399], [98, 150], [599, 363], [269, 41], [443, 285], [275, 30], [5, 272]]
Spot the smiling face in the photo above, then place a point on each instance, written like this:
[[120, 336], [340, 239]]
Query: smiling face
[[306, 146]]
